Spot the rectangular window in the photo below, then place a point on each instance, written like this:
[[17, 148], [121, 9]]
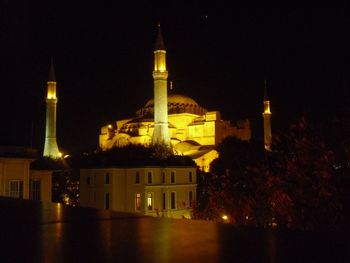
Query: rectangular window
[[173, 200], [35, 190], [190, 177], [163, 177], [164, 201], [149, 177], [107, 201], [172, 177], [87, 179], [190, 198], [137, 178], [150, 201], [16, 189], [138, 202], [107, 178]]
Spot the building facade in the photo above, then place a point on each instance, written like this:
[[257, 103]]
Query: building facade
[[149, 190], [18, 181]]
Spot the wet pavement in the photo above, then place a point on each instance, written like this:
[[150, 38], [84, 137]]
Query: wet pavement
[[39, 232]]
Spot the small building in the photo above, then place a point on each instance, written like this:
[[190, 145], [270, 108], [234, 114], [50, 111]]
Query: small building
[[17, 180], [148, 190]]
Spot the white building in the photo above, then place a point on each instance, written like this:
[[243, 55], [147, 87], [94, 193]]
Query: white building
[[149, 190], [18, 181]]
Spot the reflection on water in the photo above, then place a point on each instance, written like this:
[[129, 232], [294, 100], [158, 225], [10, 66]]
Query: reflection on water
[[271, 242], [54, 233], [178, 240]]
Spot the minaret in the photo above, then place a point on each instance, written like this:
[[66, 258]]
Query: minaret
[[267, 121], [51, 148], [160, 76]]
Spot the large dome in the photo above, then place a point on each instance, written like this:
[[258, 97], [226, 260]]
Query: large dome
[[174, 99], [177, 103]]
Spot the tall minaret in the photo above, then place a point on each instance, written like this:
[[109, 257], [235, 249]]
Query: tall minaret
[[267, 121], [51, 148], [160, 76]]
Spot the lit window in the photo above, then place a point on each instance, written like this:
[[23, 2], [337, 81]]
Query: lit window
[[16, 189], [35, 190], [190, 198], [149, 177], [149, 201], [163, 177], [172, 177], [190, 177], [173, 200], [137, 178], [107, 178], [138, 202], [164, 201]]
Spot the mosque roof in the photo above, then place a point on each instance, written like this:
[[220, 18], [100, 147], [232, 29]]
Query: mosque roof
[[177, 103], [175, 99]]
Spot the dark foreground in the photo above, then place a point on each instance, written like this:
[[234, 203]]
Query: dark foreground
[[35, 232]]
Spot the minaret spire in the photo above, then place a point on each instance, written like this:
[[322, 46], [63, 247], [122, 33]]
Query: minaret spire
[[51, 148], [52, 75], [267, 120], [160, 76]]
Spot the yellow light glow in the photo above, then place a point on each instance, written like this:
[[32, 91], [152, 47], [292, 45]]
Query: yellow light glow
[[60, 154], [267, 107], [109, 126], [51, 90], [66, 199], [149, 201], [160, 61], [224, 217]]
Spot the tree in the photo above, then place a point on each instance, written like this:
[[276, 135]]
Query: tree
[[292, 186]]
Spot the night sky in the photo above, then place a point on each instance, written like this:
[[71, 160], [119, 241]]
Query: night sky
[[216, 54]]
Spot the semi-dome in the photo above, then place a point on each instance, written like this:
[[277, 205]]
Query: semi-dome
[[177, 103]]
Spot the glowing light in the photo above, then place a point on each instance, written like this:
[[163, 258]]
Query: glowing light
[[66, 199], [51, 90], [109, 126], [224, 217], [60, 154], [267, 107], [159, 61], [149, 201]]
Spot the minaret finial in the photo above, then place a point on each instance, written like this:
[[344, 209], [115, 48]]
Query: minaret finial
[[265, 90], [52, 76], [159, 41]]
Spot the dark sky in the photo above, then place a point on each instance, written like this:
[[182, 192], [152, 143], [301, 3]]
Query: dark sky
[[216, 54]]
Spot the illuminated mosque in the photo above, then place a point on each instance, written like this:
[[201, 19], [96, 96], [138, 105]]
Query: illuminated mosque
[[175, 120]]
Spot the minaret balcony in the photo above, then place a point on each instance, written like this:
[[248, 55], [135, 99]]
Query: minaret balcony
[[160, 75]]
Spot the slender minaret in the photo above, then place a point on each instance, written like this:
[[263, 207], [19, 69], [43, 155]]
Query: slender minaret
[[267, 121], [160, 76], [51, 148]]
